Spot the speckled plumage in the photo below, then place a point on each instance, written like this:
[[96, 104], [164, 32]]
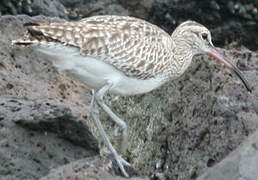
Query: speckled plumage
[[134, 46]]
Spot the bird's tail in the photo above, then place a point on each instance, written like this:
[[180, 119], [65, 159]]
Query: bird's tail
[[33, 36]]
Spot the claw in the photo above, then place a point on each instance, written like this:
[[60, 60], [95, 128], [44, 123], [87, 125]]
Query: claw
[[121, 163], [125, 162]]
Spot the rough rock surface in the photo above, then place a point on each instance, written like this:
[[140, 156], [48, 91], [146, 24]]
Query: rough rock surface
[[175, 132], [193, 122], [48, 116], [53, 8], [232, 20], [240, 164], [92, 168], [39, 135]]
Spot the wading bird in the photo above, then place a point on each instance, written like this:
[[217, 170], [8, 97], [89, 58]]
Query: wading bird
[[121, 55]]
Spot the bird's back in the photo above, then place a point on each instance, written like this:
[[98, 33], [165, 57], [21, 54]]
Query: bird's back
[[135, 47]]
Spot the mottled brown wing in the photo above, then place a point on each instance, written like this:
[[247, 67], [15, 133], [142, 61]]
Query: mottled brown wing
[[133, 46]]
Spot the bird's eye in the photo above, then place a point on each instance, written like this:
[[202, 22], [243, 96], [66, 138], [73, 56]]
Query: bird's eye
[[204, 36]]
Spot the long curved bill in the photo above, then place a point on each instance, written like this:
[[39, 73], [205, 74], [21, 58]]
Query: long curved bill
[[231, 66]]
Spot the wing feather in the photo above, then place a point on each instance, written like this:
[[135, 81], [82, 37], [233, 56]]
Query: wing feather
[[131, 45]]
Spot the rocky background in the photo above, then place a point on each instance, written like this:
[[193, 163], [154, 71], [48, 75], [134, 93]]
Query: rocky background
[[188, 129]]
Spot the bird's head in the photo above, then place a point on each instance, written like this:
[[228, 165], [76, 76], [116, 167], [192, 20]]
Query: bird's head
[[194, 35], [197, 39]]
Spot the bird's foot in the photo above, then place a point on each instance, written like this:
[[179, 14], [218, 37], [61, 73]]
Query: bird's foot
[[123, 167], [121, 164], [124, 162]]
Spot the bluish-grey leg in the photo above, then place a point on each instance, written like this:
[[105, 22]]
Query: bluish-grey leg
[[122, 130], [95, 115]]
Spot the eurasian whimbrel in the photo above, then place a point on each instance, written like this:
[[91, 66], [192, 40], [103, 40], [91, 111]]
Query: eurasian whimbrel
[[121, 55]]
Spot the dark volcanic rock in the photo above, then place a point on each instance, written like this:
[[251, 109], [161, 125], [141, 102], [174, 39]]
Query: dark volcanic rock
[[33, 7], [37, 136], [193, 122], [229, 20], [240, 164], [92, 168], [48, 116]]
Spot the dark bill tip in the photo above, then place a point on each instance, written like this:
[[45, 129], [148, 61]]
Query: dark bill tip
[[232, 67], [241, 76]]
